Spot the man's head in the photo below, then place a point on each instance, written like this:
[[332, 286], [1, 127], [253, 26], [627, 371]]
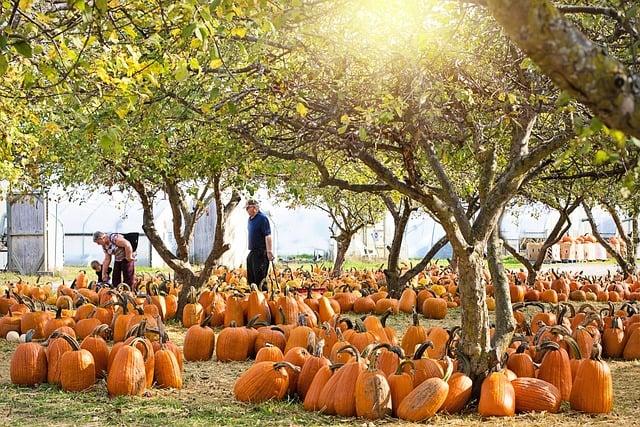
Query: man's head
[[100, 238], [95, 265], [252, 206]]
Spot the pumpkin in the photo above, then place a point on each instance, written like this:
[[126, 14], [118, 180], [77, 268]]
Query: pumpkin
[[425, 368], [521, 363], [56, 348], [9, 323], [199, 341], [408, 300], [593, 388], [497, 396], [632, 346], [269, 353], [263, 381], [310, 368], [300, 336], [127, 375], [193, 312], [427, 398], [372, 392], [555, 368], [320, 379], [258, 306], [234, 311], [338, 394], [414, 336], [166, 368], [97, 346], [536, 395], [271, 335], [77, 368], [400, 385], [28, 363], [434, 308], [460, 389], [234, 343]]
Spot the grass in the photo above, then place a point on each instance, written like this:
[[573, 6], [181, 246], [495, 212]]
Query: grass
[[207, 399]]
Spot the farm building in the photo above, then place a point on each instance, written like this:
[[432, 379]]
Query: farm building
[[299, 231]]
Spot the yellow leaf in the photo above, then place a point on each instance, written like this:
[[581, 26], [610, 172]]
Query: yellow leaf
[[215, 63], [195, 43], [344, 119], [239, 32], [25, 4], [103, 75], [122, 112], [302, 109]]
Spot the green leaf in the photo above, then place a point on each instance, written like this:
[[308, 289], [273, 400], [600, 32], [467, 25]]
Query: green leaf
[[563, 99], [362, 133], [23, 48], [342, 129], [182, 73], [619, 137], [596, 125], [3, 65], [526, 63], [101, 5], [601, 157], [302, 109], [188, 30]]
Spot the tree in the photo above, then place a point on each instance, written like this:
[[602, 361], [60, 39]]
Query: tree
[[630, 206], [349, 212], [564, 199], [428, 125], [572, 60], [153, 90]]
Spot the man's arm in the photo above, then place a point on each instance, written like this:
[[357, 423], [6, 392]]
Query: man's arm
[[268, 243], [106, 262], [124, 243]]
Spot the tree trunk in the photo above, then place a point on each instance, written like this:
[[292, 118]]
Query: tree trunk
[[343, 241], [531, 271], [392, 272], [188, 280], [505, 324], [594, 229], [475, 341], [632, 246], [411, 273]]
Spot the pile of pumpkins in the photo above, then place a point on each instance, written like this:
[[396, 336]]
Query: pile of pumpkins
[[370, 375], [551, 287], [320, 297], [72, 349]]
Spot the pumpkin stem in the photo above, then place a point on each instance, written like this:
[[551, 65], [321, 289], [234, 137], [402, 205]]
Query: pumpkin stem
[[449, 371], [72, 341], [279, 365], [402, 364], [422, 349], [350, 349]]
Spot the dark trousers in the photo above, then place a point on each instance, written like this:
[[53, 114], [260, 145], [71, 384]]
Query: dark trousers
[[257, 267], [124, 271]]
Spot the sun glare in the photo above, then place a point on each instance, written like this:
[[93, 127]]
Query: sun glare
[[392, 25]]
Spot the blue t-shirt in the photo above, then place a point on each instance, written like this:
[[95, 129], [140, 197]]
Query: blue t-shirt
[[258, 229]]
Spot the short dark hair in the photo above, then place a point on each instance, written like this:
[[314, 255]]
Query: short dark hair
[[98, 235]]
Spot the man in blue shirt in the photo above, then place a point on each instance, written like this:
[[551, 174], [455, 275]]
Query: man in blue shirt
[[260, 245]]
